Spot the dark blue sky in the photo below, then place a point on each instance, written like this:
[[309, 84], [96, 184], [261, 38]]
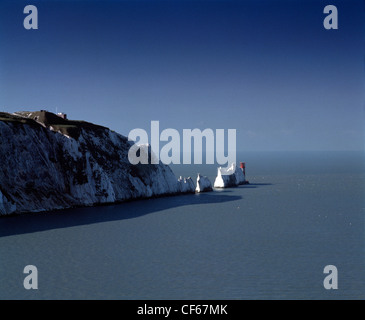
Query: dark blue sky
[[266, 68]]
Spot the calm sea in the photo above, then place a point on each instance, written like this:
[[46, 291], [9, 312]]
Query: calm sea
[[267, 240]]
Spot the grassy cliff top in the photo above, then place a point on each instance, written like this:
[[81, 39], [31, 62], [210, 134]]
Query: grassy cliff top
[[48, 119]]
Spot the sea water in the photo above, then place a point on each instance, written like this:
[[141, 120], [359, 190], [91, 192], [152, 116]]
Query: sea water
[[270, 239]]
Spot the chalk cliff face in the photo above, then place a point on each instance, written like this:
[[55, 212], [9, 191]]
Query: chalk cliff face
[[229, 177], [203, 184], [51, 163]]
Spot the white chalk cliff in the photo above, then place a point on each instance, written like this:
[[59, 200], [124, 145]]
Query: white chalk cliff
[[229, 177], [186, 185], [51, 163], [203, 184]]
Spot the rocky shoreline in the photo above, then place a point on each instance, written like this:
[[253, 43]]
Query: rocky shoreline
[[51, 163]]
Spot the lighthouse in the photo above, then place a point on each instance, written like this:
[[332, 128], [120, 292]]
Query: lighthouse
[[243, 168]]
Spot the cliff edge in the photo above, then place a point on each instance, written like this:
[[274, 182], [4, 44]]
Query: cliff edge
[[48, 162]]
